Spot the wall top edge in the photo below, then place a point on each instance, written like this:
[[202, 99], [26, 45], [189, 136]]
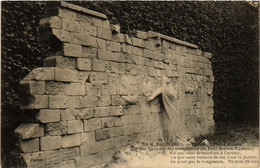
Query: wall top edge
[[53, 4], [152, 34]]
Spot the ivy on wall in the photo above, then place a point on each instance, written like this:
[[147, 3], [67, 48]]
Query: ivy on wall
[[227, 29]]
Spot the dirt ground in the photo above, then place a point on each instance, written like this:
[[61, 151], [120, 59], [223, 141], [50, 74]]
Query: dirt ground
[[226, 134]]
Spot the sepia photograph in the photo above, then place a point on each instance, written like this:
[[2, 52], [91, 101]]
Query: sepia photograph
[[129, 84]]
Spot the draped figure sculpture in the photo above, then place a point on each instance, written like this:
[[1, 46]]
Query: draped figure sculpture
[[173, 124]]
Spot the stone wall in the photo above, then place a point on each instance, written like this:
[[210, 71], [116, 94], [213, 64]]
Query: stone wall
[[81, 117]]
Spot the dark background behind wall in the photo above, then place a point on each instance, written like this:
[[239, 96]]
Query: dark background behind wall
[[229, 30]]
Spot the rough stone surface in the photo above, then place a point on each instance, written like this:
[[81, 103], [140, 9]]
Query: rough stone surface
[[30, 145], [92, 124], [57, 101], [48, 115], [65, 75], [75, 89], [71, 140], [90, 96], [72, 50], [50, 142], [75, 126], [26, 131], [102, 134], [58, 128], [31, 160], [60, 62], [70, 153], [84, 64], [53, 156]]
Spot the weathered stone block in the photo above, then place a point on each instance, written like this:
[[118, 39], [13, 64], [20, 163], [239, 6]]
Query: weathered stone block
[[118, 122], [101, 44], [116, 131], [30, 145], [67, 115], [208, 72], [117, 100], [89, 52], [53, 156], [77, 38], [71, 140], [84, 64], [90, 101], [84, 113], [150, 45], [121, 141], [113, 46], [75, 89], [92, 124], [50, 22], [66, 75], [127, 39], [104, 101], [50, 142], [105, 24], [107, 144], [208, 55], [138, 42], [137, 51], [125, 48], [102, 134], [97, 22], [59, 128], [75, 101], [88, 136], [99, 65], [105, 55], [72, 50], [31, 160], [66, 164], [75, 126], [116, 111], [89, 29], [26, 131], [62, 12], [104, 33], [118, 38], [141, 34], [55, 88], [57, 101], [70, 25], [90, 147], [108, 122], [101, 111], [45, 73], [70, 153], [60, 62], [48, 115], [98, 78]]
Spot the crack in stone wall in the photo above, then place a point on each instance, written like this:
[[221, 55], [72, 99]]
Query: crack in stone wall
[[81, 118]]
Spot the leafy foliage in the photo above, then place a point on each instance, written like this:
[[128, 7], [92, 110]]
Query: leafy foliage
[[227, 29]]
